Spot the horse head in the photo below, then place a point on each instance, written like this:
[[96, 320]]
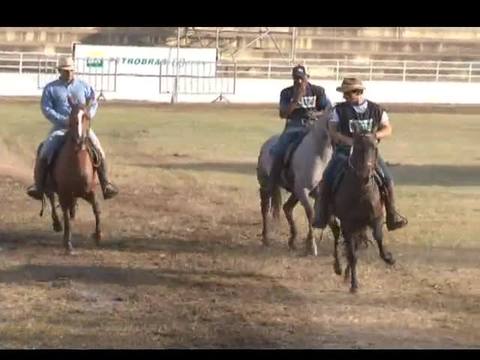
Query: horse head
[[364, 154], [79, 122]]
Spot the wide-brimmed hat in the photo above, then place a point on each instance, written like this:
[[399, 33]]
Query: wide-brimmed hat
[[350, 84], [65, 63]]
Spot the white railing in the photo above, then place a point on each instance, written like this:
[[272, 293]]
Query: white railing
[[395, 70], [28, 62]]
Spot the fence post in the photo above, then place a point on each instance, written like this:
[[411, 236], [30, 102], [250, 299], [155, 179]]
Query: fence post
[[404, 75], [21, 63], [234, 77], [371, 70], [438, 71], [470, 72], [269, 68], [337, 70]]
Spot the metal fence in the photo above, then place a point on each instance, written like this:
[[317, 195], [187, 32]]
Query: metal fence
[[194, 80], [393, 70]]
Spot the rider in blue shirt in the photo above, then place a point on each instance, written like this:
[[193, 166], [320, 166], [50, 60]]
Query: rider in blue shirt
[[56, 108]]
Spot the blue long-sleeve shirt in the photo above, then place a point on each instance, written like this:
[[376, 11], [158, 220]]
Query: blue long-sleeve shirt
[[54, 103]]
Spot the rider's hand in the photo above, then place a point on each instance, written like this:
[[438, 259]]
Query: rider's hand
[[299, 89]]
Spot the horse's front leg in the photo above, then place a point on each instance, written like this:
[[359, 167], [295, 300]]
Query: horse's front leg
[[92, 199], [311, 245], [288, 210], [336, 236], [351, 249], [378, 236], [67, 236], [57, 225]]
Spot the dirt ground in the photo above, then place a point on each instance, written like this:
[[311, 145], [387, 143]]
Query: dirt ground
[[181, 266]]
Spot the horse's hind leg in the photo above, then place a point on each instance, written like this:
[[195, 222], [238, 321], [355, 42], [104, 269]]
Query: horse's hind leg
[[378, 236], [97, 235], [57, 225], [265, 208], [288, 210]]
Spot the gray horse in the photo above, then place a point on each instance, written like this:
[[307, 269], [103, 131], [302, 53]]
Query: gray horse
[[303, 176]]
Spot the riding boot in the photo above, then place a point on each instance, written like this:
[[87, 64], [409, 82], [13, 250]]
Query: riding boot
[[394, 219], [322, 213], [109, 190], [40, 176], [275, 173]]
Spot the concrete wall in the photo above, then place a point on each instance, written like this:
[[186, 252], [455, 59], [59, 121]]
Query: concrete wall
[[268, 90]]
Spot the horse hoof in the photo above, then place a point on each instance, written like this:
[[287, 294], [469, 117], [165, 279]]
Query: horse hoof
[[57, 227], [292, 246], [97, 237], [307, 253], [353, 290], [337, 269], [265, 242], [389, 259], [70, 252]]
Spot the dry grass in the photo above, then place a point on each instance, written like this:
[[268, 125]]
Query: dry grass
[[182, 266]]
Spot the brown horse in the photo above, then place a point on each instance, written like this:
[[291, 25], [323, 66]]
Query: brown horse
[[358, 205], [74, 175]]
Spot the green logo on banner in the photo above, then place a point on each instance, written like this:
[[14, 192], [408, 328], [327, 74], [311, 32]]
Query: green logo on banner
[[95, 62]]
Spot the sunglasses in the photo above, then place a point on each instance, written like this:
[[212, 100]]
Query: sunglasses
[[353, 92]]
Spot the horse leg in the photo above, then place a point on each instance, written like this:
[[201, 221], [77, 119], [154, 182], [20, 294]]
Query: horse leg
[[276, 202], [311, 245], [350, 242], [336, 235], [73, 209], [66, 231], [265, 208], [97, 235], [288, 210], [378, 236], [57, 225]]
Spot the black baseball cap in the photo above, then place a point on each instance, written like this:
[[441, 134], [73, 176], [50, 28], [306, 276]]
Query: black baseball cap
[[299, 71]]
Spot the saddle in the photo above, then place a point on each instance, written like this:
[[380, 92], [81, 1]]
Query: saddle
[[94, 156]]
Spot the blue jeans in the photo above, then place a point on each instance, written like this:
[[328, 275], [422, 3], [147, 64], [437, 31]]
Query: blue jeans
[[339, 159], [56, 139], [289, 136], [383, 167]]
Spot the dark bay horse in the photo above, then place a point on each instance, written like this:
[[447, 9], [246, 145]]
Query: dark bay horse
[[358, 205], [305, 172], [74, 175]]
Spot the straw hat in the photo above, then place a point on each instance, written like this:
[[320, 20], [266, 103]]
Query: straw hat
[[65, 63], [350, 84]]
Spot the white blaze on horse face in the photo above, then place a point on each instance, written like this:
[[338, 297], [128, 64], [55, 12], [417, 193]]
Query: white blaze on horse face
[[80, 119]]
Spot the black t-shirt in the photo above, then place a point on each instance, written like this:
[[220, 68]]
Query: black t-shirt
[[314, 99]]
